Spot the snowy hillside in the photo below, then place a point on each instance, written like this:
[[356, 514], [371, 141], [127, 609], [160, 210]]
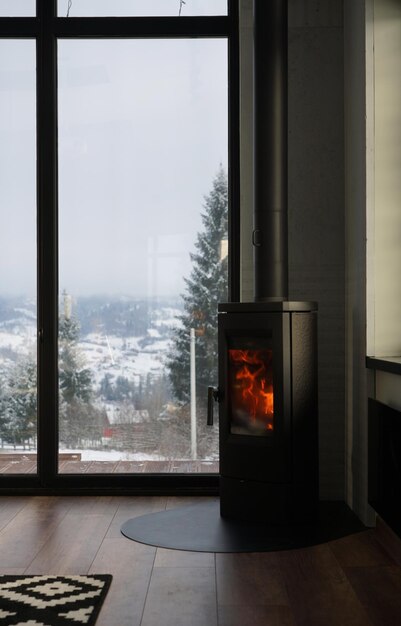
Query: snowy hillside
[[105, 349]]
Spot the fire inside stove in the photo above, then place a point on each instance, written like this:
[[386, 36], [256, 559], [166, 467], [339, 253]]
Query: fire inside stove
[[251, 391]]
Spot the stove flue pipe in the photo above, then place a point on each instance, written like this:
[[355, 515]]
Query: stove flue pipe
[[270, 151]]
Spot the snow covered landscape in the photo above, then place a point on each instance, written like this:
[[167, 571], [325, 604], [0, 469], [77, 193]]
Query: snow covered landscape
[[124, 343], [134, 357], [105, 351]]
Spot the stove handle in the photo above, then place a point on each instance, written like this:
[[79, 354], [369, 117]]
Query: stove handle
[[212, 397]]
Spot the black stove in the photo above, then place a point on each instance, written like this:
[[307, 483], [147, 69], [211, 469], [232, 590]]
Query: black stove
[[268, 411]]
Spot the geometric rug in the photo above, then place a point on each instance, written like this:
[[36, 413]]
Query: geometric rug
[[52, 600]]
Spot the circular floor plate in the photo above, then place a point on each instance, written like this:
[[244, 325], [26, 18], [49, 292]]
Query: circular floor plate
[[200, 528]]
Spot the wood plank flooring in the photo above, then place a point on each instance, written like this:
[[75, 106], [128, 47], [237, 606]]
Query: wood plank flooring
[[348, 582]]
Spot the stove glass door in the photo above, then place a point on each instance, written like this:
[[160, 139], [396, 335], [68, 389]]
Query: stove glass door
[[250, 387]]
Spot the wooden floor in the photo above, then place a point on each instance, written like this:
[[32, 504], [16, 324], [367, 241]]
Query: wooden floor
[[348, 582]]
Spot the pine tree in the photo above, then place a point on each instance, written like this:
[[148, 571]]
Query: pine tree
[[75, 379], [75, 382], [124, 389], [19, 403], [3, 405], [205, 288], [106, 388]]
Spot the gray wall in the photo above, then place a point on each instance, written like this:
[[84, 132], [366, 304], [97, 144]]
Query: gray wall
[[316, 209], [358, 148], [316, 202]]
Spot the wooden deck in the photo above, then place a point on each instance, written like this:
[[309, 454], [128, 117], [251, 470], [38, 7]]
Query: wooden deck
[[72, 464]]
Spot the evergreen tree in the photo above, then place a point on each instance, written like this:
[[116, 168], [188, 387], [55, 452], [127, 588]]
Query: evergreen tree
[[106, 388], [205, 288], [75, 379], [124, 389], [75, 383], [3, 405], [18, 404]]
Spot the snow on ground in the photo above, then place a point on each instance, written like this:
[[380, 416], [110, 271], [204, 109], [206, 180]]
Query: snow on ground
[[167, 318], [26, 313], [114, 455], [159, 347], [171, 322], [105, 455], [153, 332], [18, 341], [109, 358]]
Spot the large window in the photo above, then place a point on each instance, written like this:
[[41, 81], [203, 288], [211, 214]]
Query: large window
[[18, 318], [131, 245], [142, 140]]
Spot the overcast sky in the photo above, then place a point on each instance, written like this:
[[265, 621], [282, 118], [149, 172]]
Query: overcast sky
[[98, 8], [142, 131]]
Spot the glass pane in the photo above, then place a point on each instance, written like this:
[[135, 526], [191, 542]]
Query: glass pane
[[149, 8], [18, 391], [142, 187], [17, 8], [250, 383]]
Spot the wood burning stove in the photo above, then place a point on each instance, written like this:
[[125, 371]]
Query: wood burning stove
[[268, 411], [267, 389]]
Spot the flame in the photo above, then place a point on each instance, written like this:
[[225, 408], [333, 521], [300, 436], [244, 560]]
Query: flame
[[252, 386]]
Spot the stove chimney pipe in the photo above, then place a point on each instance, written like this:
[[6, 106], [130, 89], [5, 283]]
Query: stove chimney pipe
[[270, 151]]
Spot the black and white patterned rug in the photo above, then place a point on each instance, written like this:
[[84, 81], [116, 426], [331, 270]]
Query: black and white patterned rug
[[52, 600]]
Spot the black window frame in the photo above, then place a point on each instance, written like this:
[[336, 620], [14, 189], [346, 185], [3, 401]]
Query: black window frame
[[46, 28]]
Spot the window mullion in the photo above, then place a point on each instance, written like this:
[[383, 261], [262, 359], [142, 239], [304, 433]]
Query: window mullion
[[47, 242], [143, 27]]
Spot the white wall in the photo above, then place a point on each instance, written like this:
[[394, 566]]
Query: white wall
[[385, 279]]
